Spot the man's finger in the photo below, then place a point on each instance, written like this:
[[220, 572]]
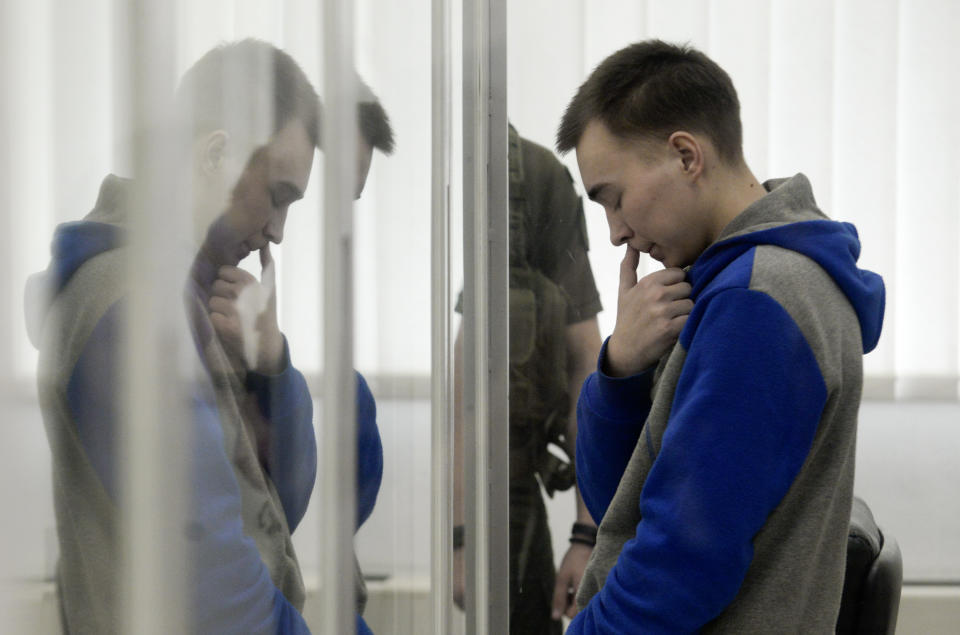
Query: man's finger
[[628, 269], [224, 289], [222, 306], [560, 593], [669, 276], [677, 291], [224, 326], [235, 274], [683, 306]]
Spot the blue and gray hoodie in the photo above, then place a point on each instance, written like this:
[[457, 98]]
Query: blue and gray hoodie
[[247, 495], [722, 479]]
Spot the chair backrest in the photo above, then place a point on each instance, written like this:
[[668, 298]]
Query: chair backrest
[[873, 579]]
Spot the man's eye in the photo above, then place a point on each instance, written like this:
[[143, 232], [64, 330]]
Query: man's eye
[[278, 200], [617, 204]]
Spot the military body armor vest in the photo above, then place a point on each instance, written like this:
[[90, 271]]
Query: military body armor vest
[[539, 399]]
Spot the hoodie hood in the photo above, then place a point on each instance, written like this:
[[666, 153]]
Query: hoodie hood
[[74, 244], [788, 217]]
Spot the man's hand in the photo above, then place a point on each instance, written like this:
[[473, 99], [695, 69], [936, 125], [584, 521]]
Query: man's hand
[[568, 580], [459, 579], [650, 315], [243, 311]]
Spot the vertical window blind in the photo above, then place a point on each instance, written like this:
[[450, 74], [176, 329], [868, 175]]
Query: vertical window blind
[[860, 95]]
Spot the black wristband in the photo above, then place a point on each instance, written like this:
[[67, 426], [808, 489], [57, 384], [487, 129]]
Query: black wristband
[[582, 540], [458, 537], [584, 529]]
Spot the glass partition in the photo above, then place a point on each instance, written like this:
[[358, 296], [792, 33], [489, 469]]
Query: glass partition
[[200, 330], [228, 396]]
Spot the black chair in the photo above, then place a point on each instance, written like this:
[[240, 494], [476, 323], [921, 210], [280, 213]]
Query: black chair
[[874, 576]]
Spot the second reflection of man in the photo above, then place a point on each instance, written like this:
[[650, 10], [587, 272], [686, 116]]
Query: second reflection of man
[[252, 458]]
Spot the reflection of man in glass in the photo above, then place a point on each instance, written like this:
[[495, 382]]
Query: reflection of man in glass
[[554, 340], [253, 453]]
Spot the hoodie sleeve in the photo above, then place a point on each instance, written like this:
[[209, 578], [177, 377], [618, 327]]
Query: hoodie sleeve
[[233, 588], [291, 457], [369, 452], [362, 628], [285, 402], [744, 415], [610, 416]]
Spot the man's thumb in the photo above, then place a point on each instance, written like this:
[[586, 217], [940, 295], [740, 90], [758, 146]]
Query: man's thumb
[[268, 272]]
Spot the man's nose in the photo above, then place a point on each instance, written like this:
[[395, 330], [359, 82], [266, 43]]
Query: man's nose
[[619, 232], [274, 229]]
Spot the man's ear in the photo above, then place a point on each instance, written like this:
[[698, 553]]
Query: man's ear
[[689, 150], [213, 151]]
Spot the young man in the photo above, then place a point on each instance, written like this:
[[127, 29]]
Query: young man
[[716, 438], [252, 459]]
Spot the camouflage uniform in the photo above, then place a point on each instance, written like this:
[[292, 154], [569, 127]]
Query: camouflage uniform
[[551, 287]]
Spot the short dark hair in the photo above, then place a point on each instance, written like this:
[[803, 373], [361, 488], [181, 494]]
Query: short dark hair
[[247, 74], [650, 90], [375, 125], [372, 119]]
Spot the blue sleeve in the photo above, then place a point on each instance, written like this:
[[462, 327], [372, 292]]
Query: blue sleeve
[[291, 460], [610, 416], [744, 415], [369, 452], [230, 587], [362, 628], [91, 398]]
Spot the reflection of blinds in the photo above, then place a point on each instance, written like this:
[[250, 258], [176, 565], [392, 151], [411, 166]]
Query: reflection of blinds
[[60, 114], [860, 95]]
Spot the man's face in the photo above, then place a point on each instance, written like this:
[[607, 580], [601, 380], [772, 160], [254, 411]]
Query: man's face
[[275, 176], [647, 195]]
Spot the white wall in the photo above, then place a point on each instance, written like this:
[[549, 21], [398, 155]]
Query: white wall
[[906, 471], [847, 92]]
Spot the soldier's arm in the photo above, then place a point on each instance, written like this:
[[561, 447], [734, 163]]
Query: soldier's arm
[[583, 346], [459, 580]]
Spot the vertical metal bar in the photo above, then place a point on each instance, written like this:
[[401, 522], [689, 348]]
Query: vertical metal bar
[[497, 279], [486, 409], [7, 373], [474, 388], [339, 387], [155, 427], [10, 386], [441, 396]]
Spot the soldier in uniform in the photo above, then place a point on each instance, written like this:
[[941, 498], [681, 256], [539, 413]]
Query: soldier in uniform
[[554, 342]]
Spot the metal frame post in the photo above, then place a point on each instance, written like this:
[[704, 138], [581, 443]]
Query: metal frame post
[[155, 430], [339, 468], [441, 395], [486, 322]]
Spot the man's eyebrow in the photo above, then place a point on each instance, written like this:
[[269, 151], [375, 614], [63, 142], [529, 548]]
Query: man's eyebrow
[[596, 191]]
